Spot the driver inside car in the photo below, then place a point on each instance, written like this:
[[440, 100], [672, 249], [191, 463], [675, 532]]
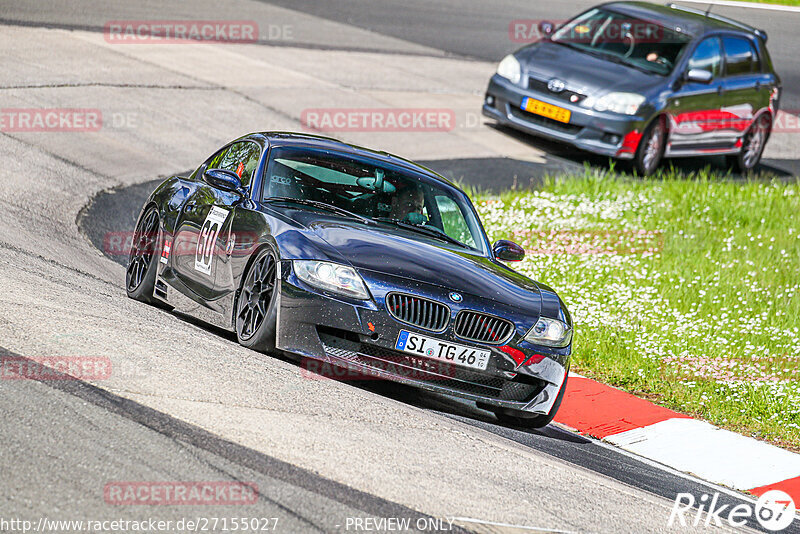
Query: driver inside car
[[653, 57], [407, 205]]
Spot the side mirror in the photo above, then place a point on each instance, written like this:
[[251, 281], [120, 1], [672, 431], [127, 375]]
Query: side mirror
[[546, 28], [699, 76], [508, 251], [222, 179]]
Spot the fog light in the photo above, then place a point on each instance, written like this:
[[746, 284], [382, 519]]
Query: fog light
[[490, 100]]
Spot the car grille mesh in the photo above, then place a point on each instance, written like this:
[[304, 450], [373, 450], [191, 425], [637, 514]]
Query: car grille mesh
[[438, 373], [484, 328], [450, 377], [437, 369], [417, 311]]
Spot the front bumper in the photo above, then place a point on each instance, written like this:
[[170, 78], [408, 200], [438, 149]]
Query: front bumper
[[606, 134], [336, 331]]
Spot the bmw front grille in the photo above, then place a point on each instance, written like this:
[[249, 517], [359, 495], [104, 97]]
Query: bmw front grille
[[418, 311], [481, 327]]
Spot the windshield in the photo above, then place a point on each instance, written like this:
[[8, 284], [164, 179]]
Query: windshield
[[398, 200], [638, 43]]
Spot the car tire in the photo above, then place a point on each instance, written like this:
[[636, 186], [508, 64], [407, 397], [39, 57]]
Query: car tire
[[140, 274], [651, 148], [753, 143], [256, 308], [523, 420]]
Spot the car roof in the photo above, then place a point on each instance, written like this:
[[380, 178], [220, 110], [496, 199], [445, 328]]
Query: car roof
[[691, 21], [297, 139]]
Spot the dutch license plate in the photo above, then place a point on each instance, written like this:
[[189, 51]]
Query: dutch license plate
[[544, 109], [437, 349]]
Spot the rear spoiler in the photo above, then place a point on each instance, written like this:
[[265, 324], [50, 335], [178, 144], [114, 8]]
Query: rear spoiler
[[760, 33]]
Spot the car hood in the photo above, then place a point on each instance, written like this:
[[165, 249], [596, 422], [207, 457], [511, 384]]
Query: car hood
[[403, 254], [583, 73]]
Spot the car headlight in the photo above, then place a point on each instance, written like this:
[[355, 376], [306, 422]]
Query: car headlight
[[625, 103], [331, 277], [509, 69], [549, 332]]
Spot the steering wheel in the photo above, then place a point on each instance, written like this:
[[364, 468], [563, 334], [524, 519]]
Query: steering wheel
[[629, 35], [664, 61], [415, 218]]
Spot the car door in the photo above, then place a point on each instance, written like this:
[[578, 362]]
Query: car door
[[242, 227], [202, 229], [747, 89], [694, 110]]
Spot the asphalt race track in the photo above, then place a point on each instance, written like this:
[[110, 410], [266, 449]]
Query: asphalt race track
[[470, 29], [185, 402]]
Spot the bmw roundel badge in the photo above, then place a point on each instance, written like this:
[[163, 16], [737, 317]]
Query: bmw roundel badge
[[456, 297]]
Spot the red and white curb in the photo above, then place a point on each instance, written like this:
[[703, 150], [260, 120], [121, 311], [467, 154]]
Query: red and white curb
[[678, 441]]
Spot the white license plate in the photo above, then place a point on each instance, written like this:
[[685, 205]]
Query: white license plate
[[442, 350]]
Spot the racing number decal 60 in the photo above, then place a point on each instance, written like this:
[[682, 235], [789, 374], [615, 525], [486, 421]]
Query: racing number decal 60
[[208, 236]]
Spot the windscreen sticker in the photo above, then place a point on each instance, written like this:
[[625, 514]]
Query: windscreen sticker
[[207, 238], [277, 179], [240, 170]]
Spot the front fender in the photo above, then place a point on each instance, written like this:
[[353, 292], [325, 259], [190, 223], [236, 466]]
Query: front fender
[[169, 197]]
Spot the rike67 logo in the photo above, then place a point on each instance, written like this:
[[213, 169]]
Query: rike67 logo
[[774, 511]]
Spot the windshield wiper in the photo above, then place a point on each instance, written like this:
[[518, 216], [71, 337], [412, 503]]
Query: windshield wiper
[[323, 206], [436, 234]]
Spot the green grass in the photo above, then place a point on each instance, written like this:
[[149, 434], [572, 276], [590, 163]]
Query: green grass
[[779, 2], [683, 289]]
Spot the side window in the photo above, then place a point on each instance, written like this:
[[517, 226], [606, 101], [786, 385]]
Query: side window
[[740, 58], [707, 56], [214, 163], [240, 158], [453, 221]]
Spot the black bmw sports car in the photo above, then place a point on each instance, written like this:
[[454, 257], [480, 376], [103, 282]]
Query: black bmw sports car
[[358, 259]]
